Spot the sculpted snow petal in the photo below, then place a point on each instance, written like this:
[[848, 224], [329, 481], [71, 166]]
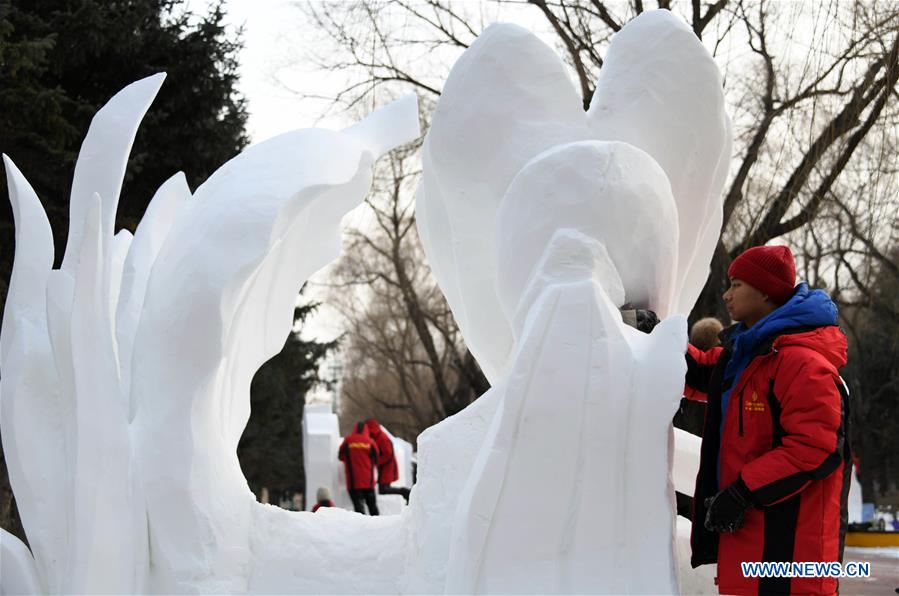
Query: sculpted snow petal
[[33, 258], [507, 98], [103, 542], [28, 392], [660, 90], [625, 198], [103, 157], [603, 190], [163, 210]]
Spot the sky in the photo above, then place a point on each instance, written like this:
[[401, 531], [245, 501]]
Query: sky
[[272, 75], [270, 31]]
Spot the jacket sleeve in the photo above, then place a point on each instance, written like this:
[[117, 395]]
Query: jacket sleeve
[[700, 365], [807, 404], [341, 453]]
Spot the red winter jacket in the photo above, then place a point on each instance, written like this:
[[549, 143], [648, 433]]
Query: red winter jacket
[[388, 471], [359, 455], [785, 434]]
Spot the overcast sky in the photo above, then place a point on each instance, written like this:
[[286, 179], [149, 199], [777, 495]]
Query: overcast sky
[[271, 33], [274, 33]]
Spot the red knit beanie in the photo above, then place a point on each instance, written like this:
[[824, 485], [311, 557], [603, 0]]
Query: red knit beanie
[[768, 269]]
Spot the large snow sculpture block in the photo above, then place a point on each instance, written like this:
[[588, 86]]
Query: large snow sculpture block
[[321, 440]]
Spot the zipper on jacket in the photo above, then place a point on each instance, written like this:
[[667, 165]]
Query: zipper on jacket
[[741, 412]]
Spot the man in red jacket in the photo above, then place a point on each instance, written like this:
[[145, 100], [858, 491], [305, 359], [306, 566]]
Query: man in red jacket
[[774, 471], [359, 455], [388, 471]]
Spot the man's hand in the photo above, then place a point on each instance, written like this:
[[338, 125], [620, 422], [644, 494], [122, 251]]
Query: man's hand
[[646, 320], [725, 511], [640, 319]]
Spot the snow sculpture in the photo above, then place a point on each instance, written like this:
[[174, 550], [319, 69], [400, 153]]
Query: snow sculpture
[[20, 574], [126, 372], [321, 440], [540, 221], [855, 499]]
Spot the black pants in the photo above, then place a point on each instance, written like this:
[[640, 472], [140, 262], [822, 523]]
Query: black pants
[[366, 494], [386, 489]]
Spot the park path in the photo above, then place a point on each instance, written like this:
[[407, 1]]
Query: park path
[[884, 571]]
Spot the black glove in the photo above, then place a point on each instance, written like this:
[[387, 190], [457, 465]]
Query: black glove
[[725, 510], [646, 320], [640, 319]]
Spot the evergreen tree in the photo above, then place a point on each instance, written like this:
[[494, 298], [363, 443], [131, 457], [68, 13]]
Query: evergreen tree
[[271, 448], [61, 60]]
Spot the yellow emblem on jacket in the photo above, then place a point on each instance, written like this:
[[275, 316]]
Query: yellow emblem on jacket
[[753, 404]]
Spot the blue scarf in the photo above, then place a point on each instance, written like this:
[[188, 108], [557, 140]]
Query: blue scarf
[[807, 308]]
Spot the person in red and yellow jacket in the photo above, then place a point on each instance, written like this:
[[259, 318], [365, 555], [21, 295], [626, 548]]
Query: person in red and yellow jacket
[[775, 461], [359, 455], [388, 471]]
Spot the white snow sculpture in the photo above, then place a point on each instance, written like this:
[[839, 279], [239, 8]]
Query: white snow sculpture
[[125, 384], [684, 467], [321, 441], [125, 374], [539, 221], [854, 505], [405, 453], [19, 573]]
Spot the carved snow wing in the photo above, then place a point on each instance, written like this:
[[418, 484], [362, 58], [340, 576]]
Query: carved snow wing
[[126, 373]]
